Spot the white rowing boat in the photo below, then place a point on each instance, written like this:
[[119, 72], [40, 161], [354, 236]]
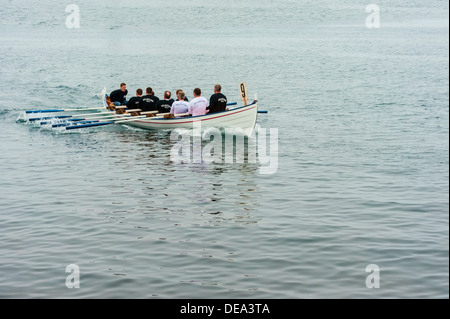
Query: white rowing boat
[[243, 117]]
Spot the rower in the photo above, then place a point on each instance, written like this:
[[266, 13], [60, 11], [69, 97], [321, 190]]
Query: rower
[[118, 96], [199, 104], [148, 101], [165, 105], [217, 101], [180, 106], [134, 102]]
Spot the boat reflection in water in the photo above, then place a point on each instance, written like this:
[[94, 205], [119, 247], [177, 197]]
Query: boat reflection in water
[[201, 193]]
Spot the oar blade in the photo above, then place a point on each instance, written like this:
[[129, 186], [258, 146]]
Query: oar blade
[[34, 119], [65, 110], [72, 127], [43, 111]]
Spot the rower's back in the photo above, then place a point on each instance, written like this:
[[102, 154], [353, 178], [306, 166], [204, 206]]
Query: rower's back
[[149, 101]]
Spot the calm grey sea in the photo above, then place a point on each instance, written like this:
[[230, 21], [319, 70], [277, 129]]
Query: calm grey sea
[[363, 164]]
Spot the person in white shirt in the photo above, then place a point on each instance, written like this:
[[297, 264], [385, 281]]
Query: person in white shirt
[[199, 104], [180, 106]]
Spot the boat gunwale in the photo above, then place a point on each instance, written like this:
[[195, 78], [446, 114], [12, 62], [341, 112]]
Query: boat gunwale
[[207, 114]]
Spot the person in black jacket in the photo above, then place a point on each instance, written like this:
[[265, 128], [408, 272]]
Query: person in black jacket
[[217, 101], [148, 101], [135, 101], [118, 96], [178, 91], [164, 106]]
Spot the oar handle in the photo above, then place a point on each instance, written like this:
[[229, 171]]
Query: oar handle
[[181, 114]]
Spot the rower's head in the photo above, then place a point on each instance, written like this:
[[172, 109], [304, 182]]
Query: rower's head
[[197, 92], [167, 95], [217, 88], [181, 95], [149, 91], [139, 92], [123, 87]]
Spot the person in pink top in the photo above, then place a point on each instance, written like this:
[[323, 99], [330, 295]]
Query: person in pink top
[[199, 104]]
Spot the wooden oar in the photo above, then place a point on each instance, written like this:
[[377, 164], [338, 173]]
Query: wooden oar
[[65, 110], [104, 123], [72, 123], [118, 121], [79, 109], [69, 119], [87, 125], [128, 113], [33, 119], [92, 120], [89, 116]]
